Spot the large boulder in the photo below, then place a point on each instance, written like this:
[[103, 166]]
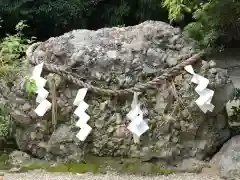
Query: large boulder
[[227, 159], [118, 58]]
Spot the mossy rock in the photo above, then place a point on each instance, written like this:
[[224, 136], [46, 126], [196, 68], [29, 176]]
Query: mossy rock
[[138, 167], [4, 165]]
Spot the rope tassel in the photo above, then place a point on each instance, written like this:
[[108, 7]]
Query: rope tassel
[[167, 74]]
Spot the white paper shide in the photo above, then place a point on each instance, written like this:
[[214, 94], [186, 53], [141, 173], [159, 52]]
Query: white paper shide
[[83, 116], [44, 104], [205, 94], [138, 125]]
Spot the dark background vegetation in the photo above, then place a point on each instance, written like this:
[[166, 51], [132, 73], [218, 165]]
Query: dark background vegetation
[[211, 23]]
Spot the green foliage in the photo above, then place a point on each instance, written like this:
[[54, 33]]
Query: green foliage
[[12, 51], [236, 109], [31, 87], [177, 8], [54, 17], [5, 123], [237, 93], [216, 22]]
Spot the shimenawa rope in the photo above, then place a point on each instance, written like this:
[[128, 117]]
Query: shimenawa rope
[[168, 74]]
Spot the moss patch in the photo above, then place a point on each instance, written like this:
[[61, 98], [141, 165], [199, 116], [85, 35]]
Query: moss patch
[[58, 168], [96, 165], [162, 171], [72, 167]]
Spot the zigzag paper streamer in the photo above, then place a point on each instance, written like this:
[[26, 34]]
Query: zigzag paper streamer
[[83, 116], [138, 126], [44, 105], [205, 94]]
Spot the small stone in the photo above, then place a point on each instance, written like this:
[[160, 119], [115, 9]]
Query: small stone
[[18, 158], [17, 100], [68, 93], [103, 105], [26, 107], [152, 52], [175, 139], [60, 102], [120, 131], [147, 69], [212, 63], [110, 129], [167, 137], [118, 118], [160, 144], [178, 79], [32, 114], [112, 54], [66, 110], [185, 113], [171, 61], [182, 123], [77, 56], [20, 117], [177, 125], [33, 135], [136, 45], [15, 169], [43, 145], [99, 124], [98, 75], [205, 65], [213, 71]]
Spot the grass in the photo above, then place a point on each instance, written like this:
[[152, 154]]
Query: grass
[[12, 52], [125, 168], [71, 167], [95, 165]]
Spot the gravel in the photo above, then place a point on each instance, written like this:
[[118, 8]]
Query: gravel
[[111, 176]]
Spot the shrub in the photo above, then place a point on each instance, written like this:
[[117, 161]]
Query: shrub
[[60, 16], [5, 123], [216, 22], [12, 53]]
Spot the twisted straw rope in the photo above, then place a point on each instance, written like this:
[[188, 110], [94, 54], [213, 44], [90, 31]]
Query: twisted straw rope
[[168, 74]]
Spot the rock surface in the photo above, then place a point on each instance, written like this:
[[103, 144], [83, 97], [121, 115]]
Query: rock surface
[[17, 158], [118, 58], [227, 159]]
